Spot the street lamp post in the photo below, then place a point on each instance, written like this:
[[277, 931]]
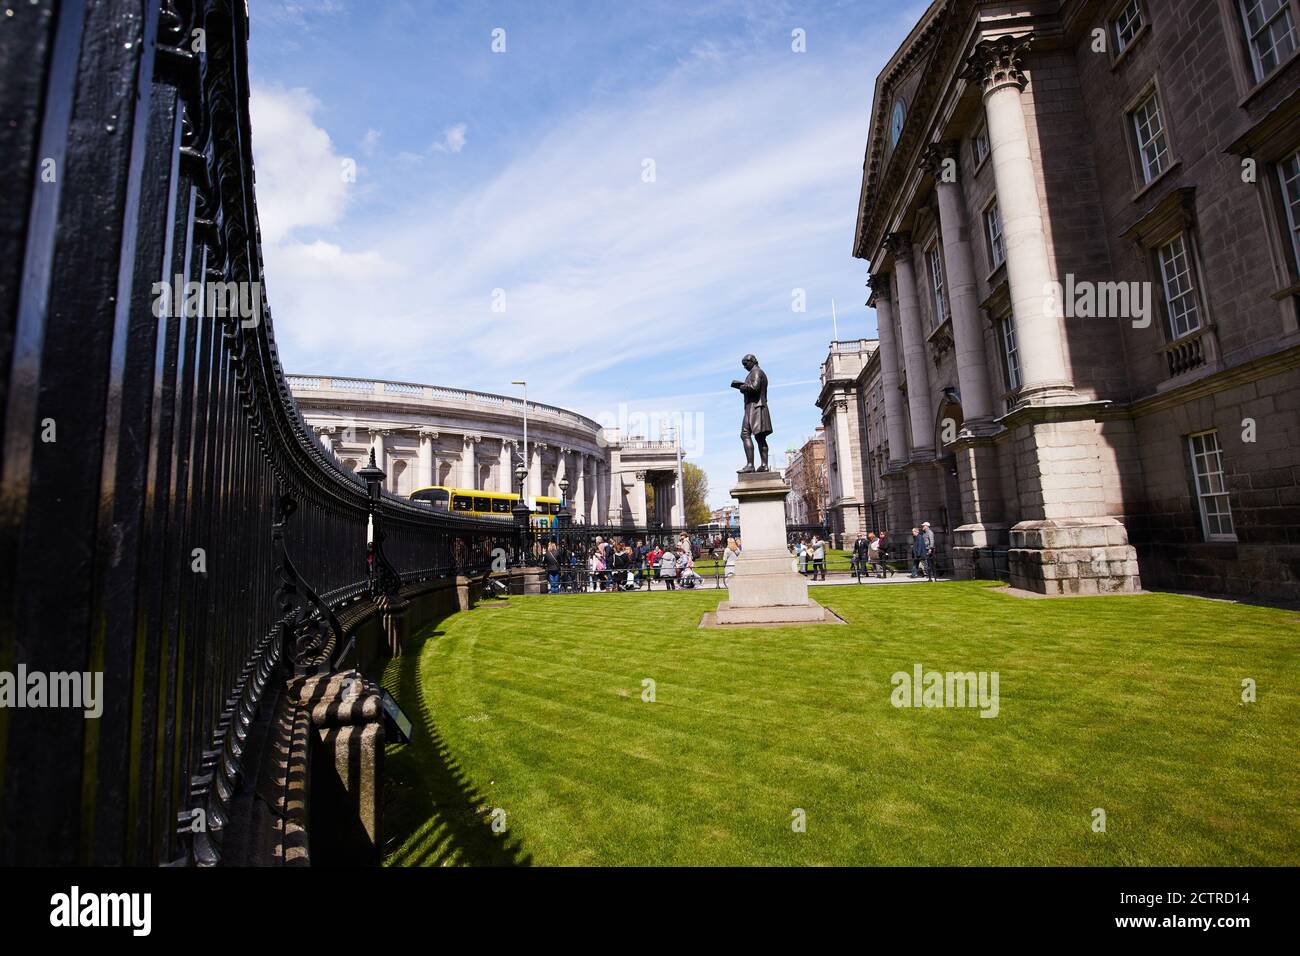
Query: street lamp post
[[382, 577], [564, 519]]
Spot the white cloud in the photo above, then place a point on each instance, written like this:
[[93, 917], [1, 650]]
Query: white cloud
[[453, 140], [370, 141], [300, 181]]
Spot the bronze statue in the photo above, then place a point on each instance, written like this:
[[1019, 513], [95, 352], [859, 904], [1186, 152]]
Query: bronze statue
[[758, 420]]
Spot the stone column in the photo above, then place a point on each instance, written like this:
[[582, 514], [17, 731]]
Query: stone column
[[428, 473], [639, 505], [561, 468], [581, 512], [895, 423], [918, 375], [997, 66], [675, 516], [941, 159], [535, 470], [326, 434], [468, 468], [506, 480], [381, 458], [843, 447]]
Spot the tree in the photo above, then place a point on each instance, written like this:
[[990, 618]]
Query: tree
[[695, 492]]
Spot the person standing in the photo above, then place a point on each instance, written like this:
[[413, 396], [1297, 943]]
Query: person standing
[[668, 569], [803, 556], [729, 562], [818, 557], [881, 555], [551, 561], [918, 552]]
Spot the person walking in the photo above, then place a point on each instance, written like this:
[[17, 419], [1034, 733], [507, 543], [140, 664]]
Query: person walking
[[803, 556], [818, 549], [882, 555], [668, 570], [927, 549], [918, 552]]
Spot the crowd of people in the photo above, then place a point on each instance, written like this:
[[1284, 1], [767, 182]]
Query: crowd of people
[[618, 565]]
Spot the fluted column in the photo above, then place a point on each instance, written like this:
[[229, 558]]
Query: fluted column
[[997, 66], [959, 268], [895, 420], [918, 374]]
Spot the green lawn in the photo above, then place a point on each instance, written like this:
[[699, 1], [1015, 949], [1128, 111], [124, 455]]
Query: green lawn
[[1129, 704]]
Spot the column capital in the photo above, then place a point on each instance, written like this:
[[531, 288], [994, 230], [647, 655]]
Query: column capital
[[373, 431], [934, 156], [640, 475], [323, 429], [471, 439], [899, 245], [879, 286], [540, 446], [994, 64], [429, 433]]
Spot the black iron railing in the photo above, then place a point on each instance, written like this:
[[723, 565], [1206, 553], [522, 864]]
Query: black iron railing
[[168, 521]]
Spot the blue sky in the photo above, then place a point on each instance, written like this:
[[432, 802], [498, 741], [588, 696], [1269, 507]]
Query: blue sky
[[522, 181]]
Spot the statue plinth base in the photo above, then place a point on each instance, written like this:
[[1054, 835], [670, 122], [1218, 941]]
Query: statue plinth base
[[766, 588]]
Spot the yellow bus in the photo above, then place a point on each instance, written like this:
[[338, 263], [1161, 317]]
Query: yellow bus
[[477, 503]]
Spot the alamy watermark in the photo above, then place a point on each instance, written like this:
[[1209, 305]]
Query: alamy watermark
[[76, 690], [1083, 299], [209, 300], [922, 688]]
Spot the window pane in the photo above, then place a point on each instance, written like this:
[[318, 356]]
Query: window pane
[[1127, 25], [1153, 145], [1180, 288], [1211, 485], [1289, 173], [1270, 31]]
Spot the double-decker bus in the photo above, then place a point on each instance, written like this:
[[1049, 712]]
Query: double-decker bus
[[477, 503]]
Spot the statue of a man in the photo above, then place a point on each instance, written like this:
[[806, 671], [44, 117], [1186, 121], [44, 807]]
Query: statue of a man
[[758, 420]]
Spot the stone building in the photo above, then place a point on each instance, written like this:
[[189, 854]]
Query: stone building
[[806, 472], [430, 435], [1083, 226]]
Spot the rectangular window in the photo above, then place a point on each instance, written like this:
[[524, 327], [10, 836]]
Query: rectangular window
[[935, 262], [1152, 143], [1211, 491], [981, 145], [1177, 274], [1288, 173], [502, 506], [993, 229], [483, 504], [1126, 26], [462, 503], [1270, 33], [1011, 352]]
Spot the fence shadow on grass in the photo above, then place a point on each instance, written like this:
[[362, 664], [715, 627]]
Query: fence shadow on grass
[[435, 814]]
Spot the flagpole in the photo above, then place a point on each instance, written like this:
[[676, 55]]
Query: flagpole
[[835, 320]]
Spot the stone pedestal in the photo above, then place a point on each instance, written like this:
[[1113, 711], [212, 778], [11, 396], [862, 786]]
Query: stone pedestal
[[1073, 556], [766, 588]]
